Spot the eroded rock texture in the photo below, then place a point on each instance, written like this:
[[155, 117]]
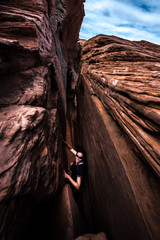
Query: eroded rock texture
[[37, 51], [119, 119]]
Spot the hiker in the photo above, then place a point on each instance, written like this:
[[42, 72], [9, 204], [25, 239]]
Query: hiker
[[77, 168]]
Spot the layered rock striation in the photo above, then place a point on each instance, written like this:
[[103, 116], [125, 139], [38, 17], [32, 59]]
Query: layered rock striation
[[119, 121], [38, 47]]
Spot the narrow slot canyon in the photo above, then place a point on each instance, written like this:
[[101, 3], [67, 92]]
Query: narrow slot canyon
[[102, 95]]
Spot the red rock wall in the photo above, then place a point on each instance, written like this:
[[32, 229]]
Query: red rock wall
[[37, 47], [118, 122]]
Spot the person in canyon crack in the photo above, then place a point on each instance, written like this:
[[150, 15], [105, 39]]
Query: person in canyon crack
[[77, 168], [78, 178]]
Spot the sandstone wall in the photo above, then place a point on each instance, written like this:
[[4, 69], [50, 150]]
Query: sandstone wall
[[118, 123], [37, 50]]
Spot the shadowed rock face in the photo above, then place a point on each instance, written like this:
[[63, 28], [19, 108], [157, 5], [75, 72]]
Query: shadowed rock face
[[68, 220], [119, 120], [38, 45]]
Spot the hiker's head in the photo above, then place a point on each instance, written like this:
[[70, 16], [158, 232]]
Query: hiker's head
[[79, 156]]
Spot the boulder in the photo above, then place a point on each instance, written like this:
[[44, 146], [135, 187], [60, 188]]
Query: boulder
[[90, 236]]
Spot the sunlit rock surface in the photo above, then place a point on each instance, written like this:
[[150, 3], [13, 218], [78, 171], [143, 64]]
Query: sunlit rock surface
[[38, 47], [119, 122]]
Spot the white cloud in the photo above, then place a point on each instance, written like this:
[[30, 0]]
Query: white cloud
[[124, 19], [127, 32]]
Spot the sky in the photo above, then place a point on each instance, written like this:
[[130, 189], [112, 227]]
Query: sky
[[130, 19]]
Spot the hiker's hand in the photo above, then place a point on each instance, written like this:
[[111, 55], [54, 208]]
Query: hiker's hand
[[71, 163], [66, 175]]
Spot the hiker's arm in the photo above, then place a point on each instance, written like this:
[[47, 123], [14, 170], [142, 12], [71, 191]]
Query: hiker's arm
[[73, 151], [76, 184], [70, 148]]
